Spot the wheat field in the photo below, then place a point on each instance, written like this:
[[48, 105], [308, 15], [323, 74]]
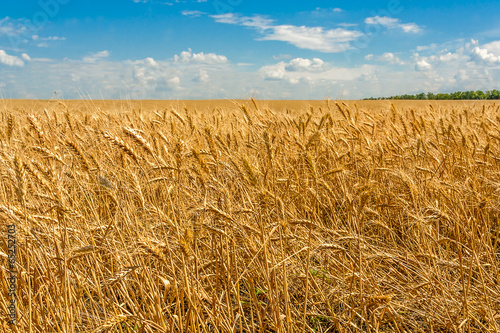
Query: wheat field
[[251, 216]]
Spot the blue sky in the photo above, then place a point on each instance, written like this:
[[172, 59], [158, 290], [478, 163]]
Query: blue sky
[[204, 49]]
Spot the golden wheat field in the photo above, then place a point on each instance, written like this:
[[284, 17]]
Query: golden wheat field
[[251, 216]]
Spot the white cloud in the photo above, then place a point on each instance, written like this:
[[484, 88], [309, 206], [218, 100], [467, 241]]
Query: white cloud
[[174, 82], [258, 22], [202, 76], [410, 27], [423, 65], [326, 12], [457, 65], [153, 78], [483, 55], [25, 57], [188, 57], [393, 23], [94, 57], [193, 13], [468, 56], [447, 57], [274, 72], [382, 20], [369, 57], [229, 18], [23, 31], [151, 62], [493, 47], [391, 58], [300, 64], [46, 60], [461, 75], [282, 57], [347, 25], [50, 38], [311, 71], [10, 60], [11, 27], [450, 66], [150, 78], [54, 38], [311, 38]]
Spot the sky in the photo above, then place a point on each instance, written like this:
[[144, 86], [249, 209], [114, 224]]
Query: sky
[[230, 49]]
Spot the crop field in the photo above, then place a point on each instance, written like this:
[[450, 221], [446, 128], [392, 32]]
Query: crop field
[[250, 216]]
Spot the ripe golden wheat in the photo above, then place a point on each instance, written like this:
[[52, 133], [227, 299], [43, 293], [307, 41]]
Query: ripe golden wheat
[[334, 217]]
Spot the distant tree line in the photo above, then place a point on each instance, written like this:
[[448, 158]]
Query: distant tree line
[[490, 94]]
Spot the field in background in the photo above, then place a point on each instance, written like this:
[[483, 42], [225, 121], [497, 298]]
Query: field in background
[[252, 216], [90, 106]]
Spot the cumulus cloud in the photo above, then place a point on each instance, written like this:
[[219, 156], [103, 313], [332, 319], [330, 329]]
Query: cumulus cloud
[[446, 57], [310, 71], [311, 38], [300, 64], [462, 75], [144, 72], [10, 60], [484, 55], [202, 76], [493, 47], [391, 58], [188, 57], [455, 65], [94, 57], [393, 23], [446, 67], [150, 62], [152, 78], [470, 55], [423, 65], [293, 70], [174, 82]]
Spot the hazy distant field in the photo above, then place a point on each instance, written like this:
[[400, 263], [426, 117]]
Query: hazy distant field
[[203, 105], [252, 216]]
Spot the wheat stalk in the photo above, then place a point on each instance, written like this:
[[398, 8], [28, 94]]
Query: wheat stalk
[[122, 145]]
